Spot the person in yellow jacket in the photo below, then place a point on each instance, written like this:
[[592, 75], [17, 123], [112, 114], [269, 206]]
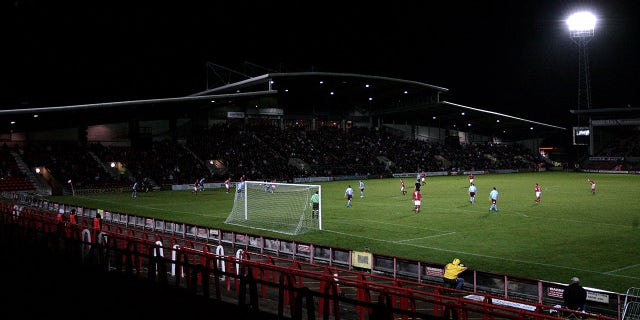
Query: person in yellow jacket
[[451, 272]]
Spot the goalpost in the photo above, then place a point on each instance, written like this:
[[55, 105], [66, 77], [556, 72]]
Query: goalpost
[[278, 207]]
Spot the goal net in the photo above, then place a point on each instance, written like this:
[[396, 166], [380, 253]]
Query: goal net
[[278, 207]]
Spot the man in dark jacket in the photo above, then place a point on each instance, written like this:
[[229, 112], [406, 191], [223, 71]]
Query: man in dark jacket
[[574, 295]]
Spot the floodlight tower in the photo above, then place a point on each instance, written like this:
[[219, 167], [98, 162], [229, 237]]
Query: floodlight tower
[[581, 30]]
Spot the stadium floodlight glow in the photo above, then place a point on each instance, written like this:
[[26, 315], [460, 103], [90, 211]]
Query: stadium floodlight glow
[[581, 30], [582, 25]]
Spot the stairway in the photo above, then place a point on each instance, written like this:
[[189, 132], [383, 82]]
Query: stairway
[[41, 185]]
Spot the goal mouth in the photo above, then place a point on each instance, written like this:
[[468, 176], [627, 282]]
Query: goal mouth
[[277, 207]]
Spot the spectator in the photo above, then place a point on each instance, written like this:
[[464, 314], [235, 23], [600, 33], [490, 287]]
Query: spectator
[[60, 216], [451, 274], [73, 219], [575, 296], [97, 226]]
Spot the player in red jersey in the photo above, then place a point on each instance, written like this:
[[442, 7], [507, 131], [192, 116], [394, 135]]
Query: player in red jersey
[[416, 200], [538, 193], [402, 187], [593, 186]]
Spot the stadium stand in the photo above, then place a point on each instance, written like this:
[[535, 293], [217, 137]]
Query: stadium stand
[[267, 153], [11, 176], [10, 183]]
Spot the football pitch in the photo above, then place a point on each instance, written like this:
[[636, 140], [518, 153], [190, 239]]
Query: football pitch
[[571, 232]]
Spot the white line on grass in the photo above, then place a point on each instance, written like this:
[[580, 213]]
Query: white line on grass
[[483, 256], [620, 269], [521, 214], [427, 237]]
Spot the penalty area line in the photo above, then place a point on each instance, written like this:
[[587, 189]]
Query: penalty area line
[[428, 237], [621, 269]]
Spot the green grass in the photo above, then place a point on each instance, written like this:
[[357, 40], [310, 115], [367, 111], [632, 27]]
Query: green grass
[[570, 233]]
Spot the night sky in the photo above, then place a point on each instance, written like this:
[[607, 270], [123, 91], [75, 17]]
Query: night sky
[[514, 57]]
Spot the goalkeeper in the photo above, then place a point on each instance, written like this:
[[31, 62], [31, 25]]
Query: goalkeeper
[[315, 204]]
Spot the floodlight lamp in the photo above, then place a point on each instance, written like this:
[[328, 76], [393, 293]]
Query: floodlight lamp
[[581, 24]]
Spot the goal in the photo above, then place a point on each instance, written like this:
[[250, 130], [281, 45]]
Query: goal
[[279, 207]]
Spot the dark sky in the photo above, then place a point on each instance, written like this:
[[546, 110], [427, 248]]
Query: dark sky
[[511, 56]]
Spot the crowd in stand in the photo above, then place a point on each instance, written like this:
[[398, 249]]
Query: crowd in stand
[[265, 153], [621, 153]]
